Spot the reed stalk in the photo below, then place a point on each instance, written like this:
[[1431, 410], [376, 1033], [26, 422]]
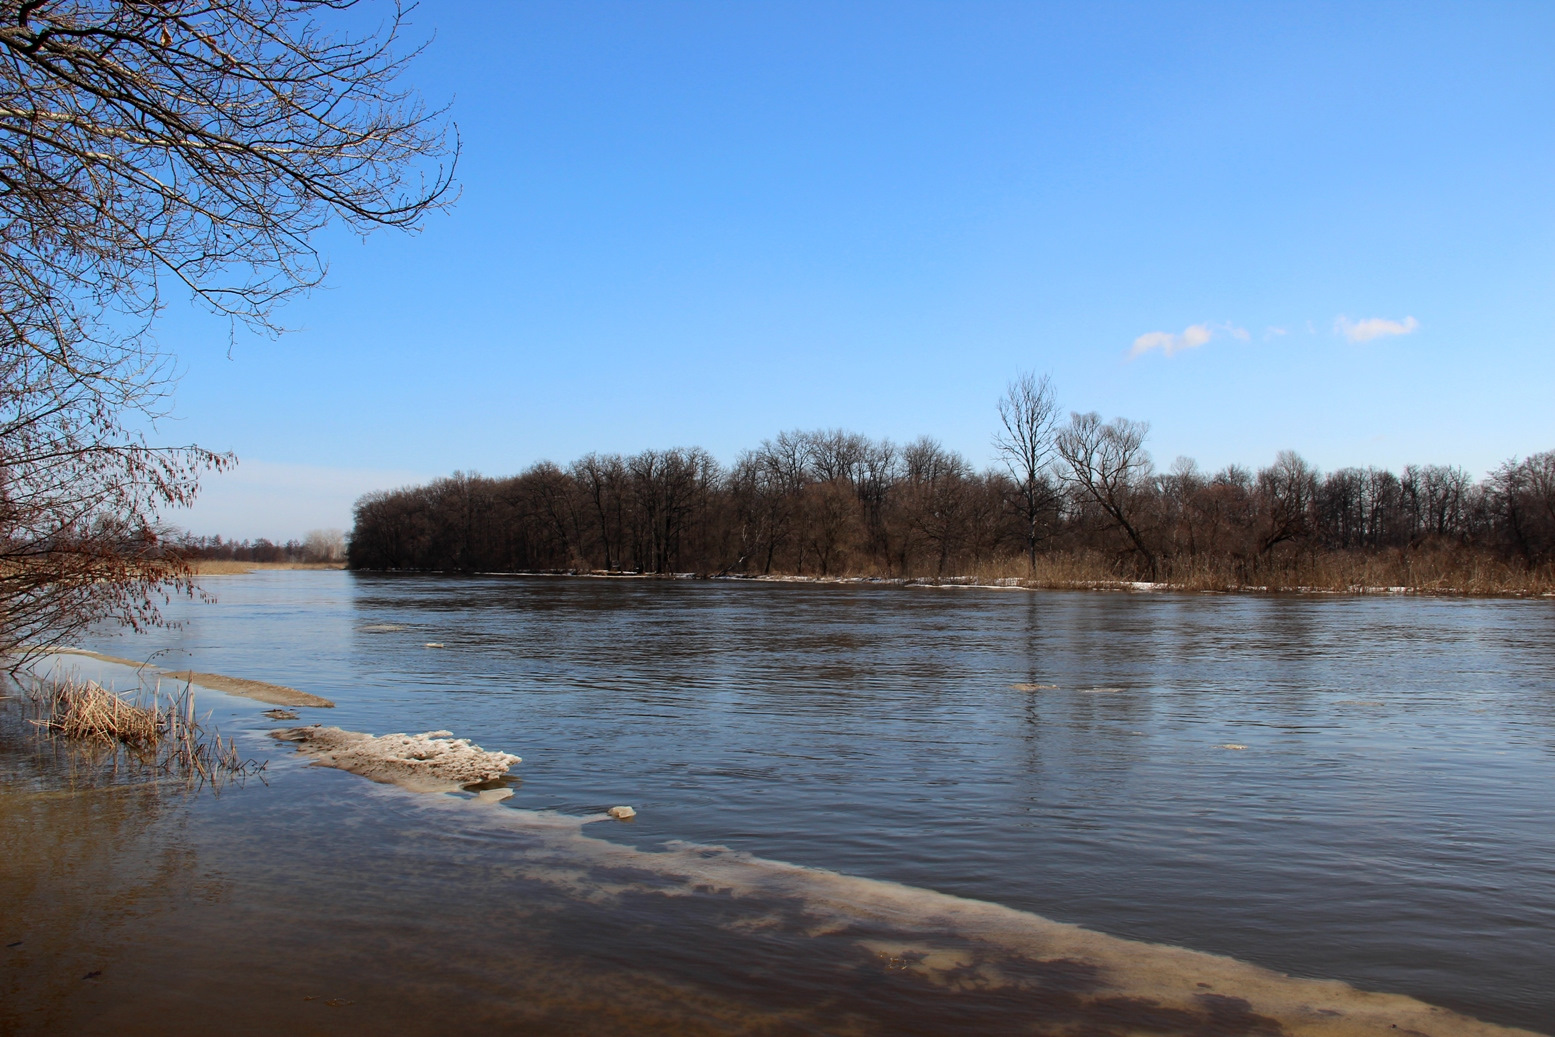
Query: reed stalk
[[158, 732]]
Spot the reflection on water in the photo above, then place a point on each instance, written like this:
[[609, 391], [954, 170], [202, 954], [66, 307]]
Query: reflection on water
[[88, 860], [1386, 825]]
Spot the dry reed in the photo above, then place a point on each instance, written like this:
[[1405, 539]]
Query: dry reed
[[157, 732], [1423, 572], [229, 567]]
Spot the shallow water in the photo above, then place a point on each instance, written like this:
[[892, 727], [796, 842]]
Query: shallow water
[[1388, 823]]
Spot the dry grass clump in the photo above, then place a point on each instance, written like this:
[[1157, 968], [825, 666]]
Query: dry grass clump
[[159, 733], [83, 709]]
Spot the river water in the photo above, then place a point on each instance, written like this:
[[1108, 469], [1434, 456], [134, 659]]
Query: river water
[[861, 809]]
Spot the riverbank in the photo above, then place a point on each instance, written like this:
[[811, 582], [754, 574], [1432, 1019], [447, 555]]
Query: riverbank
[[1428, 576], [1533, 588]]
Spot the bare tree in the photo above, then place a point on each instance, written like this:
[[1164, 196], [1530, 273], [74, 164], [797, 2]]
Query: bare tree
[[1438, 499], [555, 498], [324, 545], [835, 455], [1108, 466], [1182, 500], [603, 482], [880, 472], [830, 513], [145, 146], [935, 498], [1522, 497], [1287, 490], [667, 486], [785, 472], [1028, 414]]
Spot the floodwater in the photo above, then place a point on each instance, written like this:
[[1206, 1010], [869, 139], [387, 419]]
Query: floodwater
[[870, 810]]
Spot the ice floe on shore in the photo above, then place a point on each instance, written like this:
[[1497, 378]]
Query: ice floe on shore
[[433, 761]]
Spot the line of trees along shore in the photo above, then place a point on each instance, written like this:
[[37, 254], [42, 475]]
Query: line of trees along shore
[[320, 547], [1069, 503]]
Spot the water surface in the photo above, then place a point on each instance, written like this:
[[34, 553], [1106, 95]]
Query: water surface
[[1388, 823]]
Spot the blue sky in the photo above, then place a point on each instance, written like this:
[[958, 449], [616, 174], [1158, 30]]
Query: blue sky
[[1256, 226]]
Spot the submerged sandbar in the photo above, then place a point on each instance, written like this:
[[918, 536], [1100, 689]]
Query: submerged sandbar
[[260, 691]]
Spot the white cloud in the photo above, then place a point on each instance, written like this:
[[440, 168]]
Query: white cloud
[[1273, 332], [1192, 337], [1373, 327]]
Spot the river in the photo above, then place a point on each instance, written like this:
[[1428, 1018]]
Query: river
[[860, 809]]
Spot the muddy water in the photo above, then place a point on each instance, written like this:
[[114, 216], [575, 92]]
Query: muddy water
[[860, 811]]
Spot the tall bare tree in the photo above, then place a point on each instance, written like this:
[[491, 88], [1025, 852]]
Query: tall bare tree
[[1028, 414], [1109, 468], [152, 146]]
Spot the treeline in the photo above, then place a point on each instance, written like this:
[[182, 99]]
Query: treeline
[[320, 546], [1071, 503]]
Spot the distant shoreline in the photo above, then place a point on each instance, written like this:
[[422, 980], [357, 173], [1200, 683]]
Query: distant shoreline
[[226, 567], [1001, 583], [229, 567]]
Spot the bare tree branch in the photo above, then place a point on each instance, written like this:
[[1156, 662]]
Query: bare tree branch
[[1108, 466], [1028, 414], [196, 144]]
